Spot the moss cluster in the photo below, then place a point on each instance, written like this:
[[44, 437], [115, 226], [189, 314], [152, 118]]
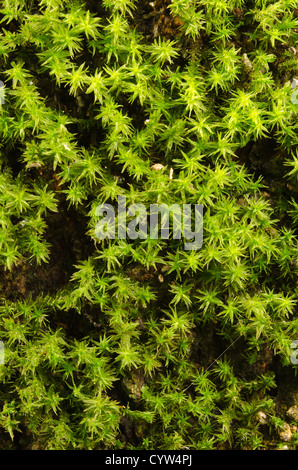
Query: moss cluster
[[141, 344]]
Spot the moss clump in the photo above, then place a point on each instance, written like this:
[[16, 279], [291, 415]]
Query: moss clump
[[141, 344]]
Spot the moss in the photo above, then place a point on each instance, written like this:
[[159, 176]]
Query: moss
[[140, 343]]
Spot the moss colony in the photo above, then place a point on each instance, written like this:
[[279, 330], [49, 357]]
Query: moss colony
[[140, 344]]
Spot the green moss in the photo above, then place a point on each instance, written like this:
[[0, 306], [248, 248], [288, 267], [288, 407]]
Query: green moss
[[183, 347]]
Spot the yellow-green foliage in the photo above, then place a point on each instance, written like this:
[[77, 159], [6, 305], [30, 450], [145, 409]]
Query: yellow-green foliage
[[93, 100]]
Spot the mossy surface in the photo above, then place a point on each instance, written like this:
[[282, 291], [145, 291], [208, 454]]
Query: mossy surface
[[141, 344]]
